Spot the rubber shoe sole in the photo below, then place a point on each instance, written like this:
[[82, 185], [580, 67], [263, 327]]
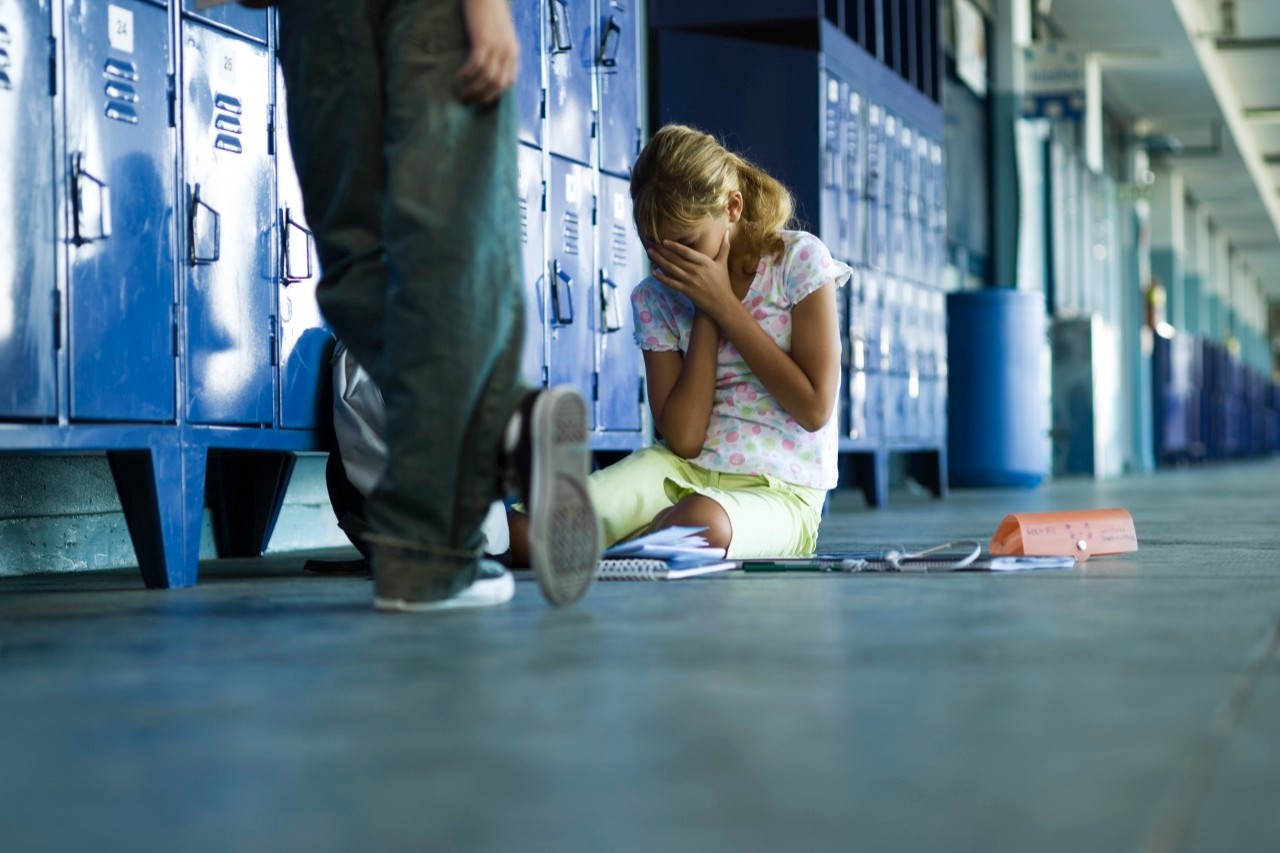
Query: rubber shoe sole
[[564, 533]]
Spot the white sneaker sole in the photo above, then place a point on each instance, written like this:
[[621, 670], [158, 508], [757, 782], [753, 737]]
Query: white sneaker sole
[[482, 593], [564, 533]]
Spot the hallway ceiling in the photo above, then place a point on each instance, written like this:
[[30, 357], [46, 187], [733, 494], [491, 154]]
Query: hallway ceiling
[[1192, 90]]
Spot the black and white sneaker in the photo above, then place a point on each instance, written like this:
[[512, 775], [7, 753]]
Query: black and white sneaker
[[546, 449], [398, 587]]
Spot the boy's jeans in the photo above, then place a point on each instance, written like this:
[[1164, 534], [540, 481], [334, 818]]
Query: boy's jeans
[[412, 196]]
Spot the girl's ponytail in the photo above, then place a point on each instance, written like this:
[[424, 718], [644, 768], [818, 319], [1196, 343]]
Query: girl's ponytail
[[767, 206]]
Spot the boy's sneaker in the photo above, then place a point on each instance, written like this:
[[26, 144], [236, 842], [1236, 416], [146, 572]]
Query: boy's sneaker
[[546, 449], [492, 585]]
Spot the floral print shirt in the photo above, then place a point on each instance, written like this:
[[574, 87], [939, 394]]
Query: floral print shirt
[[749, 433]]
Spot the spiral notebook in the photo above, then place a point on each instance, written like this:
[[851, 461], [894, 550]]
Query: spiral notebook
[[645, 569]]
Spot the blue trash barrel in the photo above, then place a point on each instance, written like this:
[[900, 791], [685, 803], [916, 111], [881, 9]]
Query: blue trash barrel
[[997, 412]]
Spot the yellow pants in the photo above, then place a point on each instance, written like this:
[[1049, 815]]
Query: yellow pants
[[770, 517]]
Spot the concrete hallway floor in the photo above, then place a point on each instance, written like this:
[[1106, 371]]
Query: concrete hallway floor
[[1129, 704]]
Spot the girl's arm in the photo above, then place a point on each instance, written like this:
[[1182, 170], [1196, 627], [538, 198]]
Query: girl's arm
[[682, 388], [804, 382]]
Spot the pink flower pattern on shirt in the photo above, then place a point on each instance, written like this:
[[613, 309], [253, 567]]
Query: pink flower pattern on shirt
[[749, 433]]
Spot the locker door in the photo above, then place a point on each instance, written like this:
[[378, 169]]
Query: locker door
[[305, 339], [620, 377], [832, 224], [229, 218], [570, 276], [242, 19], [120, 156], [845, 298], [571, 119], [875, 199], [897, 134], [938, 225], [855, 178], [919, 179], [533, 224], [27, 230], [616, 61], [859, 428], [528, 16]]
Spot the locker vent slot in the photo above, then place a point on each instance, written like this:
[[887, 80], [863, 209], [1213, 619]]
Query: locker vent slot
[[618, 246], [120, 70], [572, 233], [225, 121], [5, 62], [227, 104], [121, 94], [524, 221]]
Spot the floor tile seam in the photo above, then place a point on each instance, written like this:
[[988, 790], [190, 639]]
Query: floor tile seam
[[1171, 823]]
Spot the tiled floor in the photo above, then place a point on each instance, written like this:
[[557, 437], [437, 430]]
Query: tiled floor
[[1129, 704]]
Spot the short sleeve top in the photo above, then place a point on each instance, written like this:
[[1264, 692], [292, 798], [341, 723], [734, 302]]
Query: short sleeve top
[[749, 433]]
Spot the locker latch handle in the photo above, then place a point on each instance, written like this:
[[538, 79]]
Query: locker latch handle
[[561, 34], [610, 306], [610, 43], [294, 268], [561, 296], [202, 235], [88, 190]]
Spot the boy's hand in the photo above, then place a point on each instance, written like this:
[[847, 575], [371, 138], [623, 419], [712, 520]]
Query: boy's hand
[[491, 67], [704, 280]]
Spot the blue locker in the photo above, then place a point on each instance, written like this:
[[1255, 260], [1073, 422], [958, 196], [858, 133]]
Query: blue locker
[[120, 150], [244, 20], [916, 211], [832, 216], [855, 178], [866, 407], [619, 380], [28, 240], [844, 301], [895, 133], [870, 307], [305, 340], [875, 199], [570, 275], [571, 51], [229, 220], [938, 219], [528, 16], [617, 47], [533, 223]]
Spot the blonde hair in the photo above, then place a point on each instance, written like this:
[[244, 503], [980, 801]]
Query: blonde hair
[[684, 175]]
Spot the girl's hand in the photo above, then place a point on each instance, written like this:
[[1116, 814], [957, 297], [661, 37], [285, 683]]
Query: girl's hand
[[704, 280]]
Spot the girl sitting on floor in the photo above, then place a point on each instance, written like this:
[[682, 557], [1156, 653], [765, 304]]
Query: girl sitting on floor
[[741, 339]]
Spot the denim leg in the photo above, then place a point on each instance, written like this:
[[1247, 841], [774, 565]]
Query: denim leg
[[455, 317], [332, 60]]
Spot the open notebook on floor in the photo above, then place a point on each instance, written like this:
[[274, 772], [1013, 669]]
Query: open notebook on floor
[[668, 554]]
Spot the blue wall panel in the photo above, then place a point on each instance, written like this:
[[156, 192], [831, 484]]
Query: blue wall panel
[[27, 235], [305, 341], [571, 275], [617, 45], [571, 49], [229, 220], [621, 265], [121, 153]]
